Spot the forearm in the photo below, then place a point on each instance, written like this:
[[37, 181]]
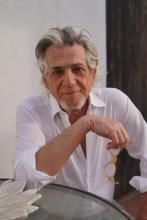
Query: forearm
[[52, 157]]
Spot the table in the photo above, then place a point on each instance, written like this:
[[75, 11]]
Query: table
[[65, 203]]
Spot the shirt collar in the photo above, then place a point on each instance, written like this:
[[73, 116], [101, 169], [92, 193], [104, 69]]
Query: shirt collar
[[94, 101], [55, 107]]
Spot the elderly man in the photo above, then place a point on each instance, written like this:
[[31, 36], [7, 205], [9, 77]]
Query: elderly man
[[70, 135]]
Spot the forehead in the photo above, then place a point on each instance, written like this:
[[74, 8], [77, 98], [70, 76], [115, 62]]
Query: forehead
[[67, 55]]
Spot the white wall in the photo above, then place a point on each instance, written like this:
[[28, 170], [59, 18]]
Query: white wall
[[22, 22]]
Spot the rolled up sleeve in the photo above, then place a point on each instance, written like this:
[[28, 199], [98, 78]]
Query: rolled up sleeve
[[29, 139]]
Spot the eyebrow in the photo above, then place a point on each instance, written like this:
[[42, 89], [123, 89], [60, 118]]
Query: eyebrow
[[78, 64], [57, 67], [72, 65]]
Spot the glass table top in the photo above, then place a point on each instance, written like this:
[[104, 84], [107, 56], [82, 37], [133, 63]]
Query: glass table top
[[64, 203]]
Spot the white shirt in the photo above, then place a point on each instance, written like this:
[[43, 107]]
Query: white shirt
[[40, 119]]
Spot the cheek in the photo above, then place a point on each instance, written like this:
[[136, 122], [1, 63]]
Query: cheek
[[46, 83], [86, 83], [84, 86], [54, 87], [90, 81]]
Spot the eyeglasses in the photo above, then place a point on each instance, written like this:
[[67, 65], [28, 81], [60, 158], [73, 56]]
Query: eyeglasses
[[110, 167]]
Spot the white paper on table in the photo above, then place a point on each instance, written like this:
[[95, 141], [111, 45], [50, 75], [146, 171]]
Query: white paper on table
[[16, 203]]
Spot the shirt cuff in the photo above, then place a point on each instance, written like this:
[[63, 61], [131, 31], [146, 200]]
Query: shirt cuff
[[140, 183], [25, 168]]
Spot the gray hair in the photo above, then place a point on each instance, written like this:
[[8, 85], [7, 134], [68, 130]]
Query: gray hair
[[64, 37]]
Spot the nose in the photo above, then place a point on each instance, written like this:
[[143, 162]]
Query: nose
[[69, 78]]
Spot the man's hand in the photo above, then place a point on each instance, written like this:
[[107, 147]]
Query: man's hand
[[110, 129]]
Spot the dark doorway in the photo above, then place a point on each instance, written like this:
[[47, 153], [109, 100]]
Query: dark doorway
[[127, 67]]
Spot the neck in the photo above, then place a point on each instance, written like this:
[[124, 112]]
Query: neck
[[74, 115]]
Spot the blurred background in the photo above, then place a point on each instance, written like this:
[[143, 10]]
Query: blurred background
[[127, 66], [127, 70]]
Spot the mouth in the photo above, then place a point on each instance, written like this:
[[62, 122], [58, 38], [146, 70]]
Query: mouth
[[69, 92]]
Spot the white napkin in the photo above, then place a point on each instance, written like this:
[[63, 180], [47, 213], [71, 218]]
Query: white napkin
[[140, 183], [16, 203]]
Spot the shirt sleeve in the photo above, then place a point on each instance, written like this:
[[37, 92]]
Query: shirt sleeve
[[29, 139], [137, 129]]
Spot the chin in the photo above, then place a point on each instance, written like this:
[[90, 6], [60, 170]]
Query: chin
[[71, 106]]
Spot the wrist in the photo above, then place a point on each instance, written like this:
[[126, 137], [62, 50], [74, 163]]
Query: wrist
[[87, 122]]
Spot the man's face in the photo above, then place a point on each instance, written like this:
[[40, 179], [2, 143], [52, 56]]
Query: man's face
[[69, 79]]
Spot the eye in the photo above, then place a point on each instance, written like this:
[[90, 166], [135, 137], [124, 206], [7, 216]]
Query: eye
[[58, 72], [77, 70]]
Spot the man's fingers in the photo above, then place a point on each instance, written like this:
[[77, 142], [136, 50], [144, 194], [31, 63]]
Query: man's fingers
[[120, 138], [115, 141], [111, 129], [125, 134], [112, 146]]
